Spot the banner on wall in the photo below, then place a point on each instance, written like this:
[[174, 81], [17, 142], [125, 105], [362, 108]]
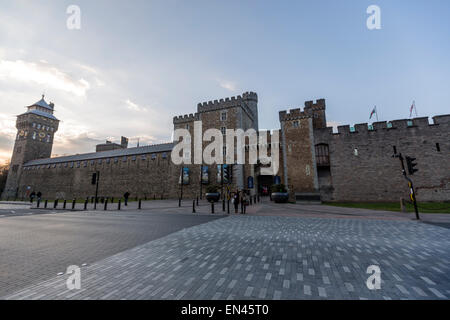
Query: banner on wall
[[219, 173], [277, 180], [185, 176], [205, 175], [250, 182]]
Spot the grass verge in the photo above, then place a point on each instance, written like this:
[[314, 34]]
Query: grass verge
[[424, 207]]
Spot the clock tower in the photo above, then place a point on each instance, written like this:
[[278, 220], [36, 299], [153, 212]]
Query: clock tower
[[35, 131]]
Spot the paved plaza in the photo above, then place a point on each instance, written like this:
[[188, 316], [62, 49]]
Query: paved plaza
[[283, 251]]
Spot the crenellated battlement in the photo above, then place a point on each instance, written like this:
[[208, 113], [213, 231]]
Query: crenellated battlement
[[293, 114], [386, 126], [237, 101], [307, 112], [319, 105], [186, 118], [250, 95]]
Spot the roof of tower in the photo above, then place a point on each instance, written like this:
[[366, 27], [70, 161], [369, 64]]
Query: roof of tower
[[42, 108], [42, 103], [42, 114]]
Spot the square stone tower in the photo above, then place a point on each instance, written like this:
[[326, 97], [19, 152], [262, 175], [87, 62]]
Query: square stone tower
[[239, 112], [35, 132], [298, 148]]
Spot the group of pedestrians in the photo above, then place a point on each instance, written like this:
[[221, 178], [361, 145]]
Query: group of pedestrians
[[239, 197], [34, 195]]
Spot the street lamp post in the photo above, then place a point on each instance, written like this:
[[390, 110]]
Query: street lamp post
[[181, 187], [201, 182]]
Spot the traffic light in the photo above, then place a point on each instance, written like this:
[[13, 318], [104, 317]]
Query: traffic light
[[411, 164], [227, 173], [94, 178]]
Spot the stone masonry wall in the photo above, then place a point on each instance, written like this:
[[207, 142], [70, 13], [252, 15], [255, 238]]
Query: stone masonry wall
[[374, 175], [139, 175], [297, 153]]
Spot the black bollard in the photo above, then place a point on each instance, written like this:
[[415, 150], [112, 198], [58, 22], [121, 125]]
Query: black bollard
[[118, 204], [223, 204], [112, 200], [45, 204], [106, 205], [140, 204], [85, 204], [55, 204], [64, 204], [197, 200], [38, 203], [212, 206], [250, 200], [73, 204], [193, 206], [179, 202], [228, 206]]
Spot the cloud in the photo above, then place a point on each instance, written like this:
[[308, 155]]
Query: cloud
[[66, 144], [7, 134], [87, 68], [134, 107], [228, 85], [42, 73]]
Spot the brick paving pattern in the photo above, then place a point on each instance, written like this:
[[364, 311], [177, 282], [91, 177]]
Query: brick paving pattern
[[270, 257]]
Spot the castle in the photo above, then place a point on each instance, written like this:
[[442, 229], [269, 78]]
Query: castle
[[354, 164]]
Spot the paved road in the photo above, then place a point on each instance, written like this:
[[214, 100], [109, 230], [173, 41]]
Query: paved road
[[38, 246], [264, 257], [274, 252]]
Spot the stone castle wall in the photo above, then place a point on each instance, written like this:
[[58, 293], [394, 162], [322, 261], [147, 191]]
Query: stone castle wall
[[373, 174], [361, 165], [143, 176]]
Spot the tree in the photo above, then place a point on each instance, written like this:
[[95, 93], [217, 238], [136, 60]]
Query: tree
[[4, 168]]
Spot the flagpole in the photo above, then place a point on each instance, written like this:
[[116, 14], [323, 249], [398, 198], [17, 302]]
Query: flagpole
[[376, 112], [415, 109]]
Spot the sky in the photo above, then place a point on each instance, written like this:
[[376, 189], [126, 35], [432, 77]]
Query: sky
[[134, 65]]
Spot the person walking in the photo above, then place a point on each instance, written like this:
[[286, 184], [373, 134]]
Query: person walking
[[126, 196], [236, 201], [32, 196], [244, 201]]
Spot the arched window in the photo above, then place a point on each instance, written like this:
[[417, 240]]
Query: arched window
[[322, 155]]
